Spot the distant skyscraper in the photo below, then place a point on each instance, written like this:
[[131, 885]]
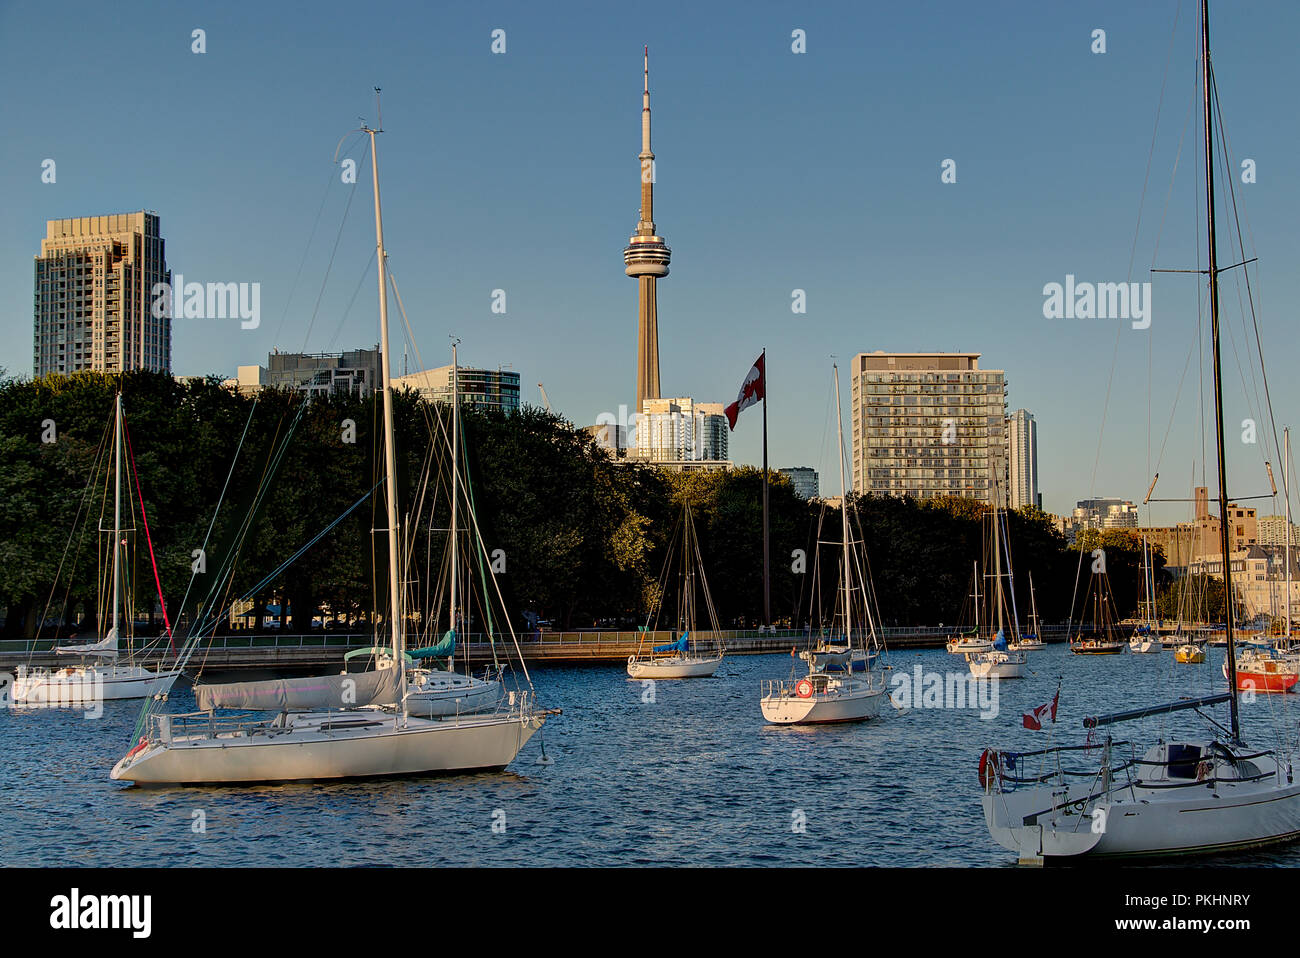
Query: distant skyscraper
[[928, 424], [94, 292], [804, 480], [479, 388], [646, 259], [1105, 514], [1022, 460], [353, 370], [680, 430]]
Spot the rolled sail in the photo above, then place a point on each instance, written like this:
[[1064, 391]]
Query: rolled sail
[[378, 687]]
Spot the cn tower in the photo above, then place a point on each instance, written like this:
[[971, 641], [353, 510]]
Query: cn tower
[[646, 259]]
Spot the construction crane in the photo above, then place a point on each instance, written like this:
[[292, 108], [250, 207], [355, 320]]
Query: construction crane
[[544, 399]]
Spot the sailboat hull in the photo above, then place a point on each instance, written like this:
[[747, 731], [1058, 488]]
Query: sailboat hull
[[1240, 817], [75, 687], [997, 665], [315, 746], [855, 704], [448, 693], [674, 667]]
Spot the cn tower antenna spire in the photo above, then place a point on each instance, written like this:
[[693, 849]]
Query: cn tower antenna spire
[[646, 260]]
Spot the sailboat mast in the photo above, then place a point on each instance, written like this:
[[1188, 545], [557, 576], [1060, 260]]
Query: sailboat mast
[[455, 479], [997, 557], [1033, 604], [844, 514], [117, 511], [1286, 492], [1206, 82], [390, 454]]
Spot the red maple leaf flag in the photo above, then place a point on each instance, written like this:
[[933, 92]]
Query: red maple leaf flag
[[1034, 719], [752, 390]]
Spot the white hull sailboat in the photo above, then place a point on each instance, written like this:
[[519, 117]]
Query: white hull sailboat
[[197, 749], [673, 667], [685, 658], [1188, 796], [87, 683], [819, 698], [1211, 799], [832, 691], [352, 725], [80, 685], [997, 665]]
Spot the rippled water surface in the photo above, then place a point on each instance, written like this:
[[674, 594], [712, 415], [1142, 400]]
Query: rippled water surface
[[694, 778]]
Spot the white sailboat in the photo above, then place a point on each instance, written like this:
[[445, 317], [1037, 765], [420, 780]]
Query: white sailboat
[[822, 695], [335, 727], [1187, 796], [686, 657], [89, 682], [1031, 641], [433, 692], [1144, 640], [1000, 661], [967, 642]]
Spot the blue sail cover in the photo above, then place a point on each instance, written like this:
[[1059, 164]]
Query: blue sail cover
[[1000, 641], [444, 648], [681, 645]]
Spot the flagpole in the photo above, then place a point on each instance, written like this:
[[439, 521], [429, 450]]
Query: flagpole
[[767, 579]]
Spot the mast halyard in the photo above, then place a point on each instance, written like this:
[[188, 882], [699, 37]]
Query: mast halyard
[[455, 485], [1286, 492], [844, 515], [390, 455], [117, 515], [1207, 80]]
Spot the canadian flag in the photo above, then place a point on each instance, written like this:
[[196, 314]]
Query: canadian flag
[[752, 390], [1034, 720]]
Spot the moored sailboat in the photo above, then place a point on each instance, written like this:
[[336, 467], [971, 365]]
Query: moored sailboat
[[334, 727], [686, 657], [98, 675], [823, 696], [1188, 796]]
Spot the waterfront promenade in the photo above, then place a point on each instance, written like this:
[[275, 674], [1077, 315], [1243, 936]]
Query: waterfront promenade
[[316, 650]]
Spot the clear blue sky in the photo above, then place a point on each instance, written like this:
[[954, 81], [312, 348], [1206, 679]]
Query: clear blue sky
[[776, 171]]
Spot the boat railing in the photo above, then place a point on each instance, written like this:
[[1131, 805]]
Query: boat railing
[[165, 726], [1009, 761]]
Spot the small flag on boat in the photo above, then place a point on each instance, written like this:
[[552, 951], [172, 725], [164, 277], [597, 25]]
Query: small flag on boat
[[752, 390], [1034, 720]]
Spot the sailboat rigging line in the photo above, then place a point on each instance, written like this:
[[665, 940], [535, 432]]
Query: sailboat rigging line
[[338, 238], [293, 288], [83, 505], [1250, 298], [144, 518], [249, 593], [347, 311]]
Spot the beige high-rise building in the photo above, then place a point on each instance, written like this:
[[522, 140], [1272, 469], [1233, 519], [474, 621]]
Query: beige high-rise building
[[681, 430], [1022, 460], [94, 295], [928, 424]]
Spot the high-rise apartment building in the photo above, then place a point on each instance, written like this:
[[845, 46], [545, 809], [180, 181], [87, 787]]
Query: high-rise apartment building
[[1022, 460], [679, 430], [94, 281], [928, 424]]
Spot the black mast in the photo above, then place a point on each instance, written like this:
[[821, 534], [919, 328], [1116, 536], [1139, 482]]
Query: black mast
[[1207, 80]]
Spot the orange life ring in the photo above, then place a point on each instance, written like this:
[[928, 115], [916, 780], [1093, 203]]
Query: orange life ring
[[804, 689], [990, 767]]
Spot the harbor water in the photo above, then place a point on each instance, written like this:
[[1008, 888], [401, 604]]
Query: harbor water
[[674, 773]]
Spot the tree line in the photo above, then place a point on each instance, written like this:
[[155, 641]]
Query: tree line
[[581, 537]]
